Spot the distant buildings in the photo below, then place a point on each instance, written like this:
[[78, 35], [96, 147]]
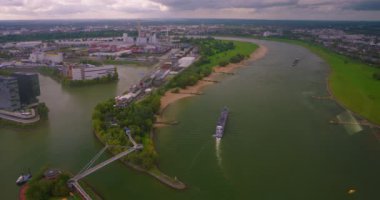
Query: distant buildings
[[269, 33], [18, 89], [127, 39], [42, 57], [111, 54]]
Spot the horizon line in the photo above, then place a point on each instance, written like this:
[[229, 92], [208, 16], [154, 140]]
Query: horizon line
[[179, 19]]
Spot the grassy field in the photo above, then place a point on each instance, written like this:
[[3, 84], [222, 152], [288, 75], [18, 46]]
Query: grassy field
[[244, 48], [350, 81]]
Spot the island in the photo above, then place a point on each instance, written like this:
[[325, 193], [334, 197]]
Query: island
[[50, 183]]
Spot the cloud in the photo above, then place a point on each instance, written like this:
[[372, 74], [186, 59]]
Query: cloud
[[251, 9], [225, 4], [86, 8], [365, 6], [11, 2]]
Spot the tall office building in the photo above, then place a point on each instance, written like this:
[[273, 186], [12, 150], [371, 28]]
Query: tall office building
[[28, 86], [9, 94]]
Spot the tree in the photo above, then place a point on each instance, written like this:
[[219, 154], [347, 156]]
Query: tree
[[376, 75], [42, 110]]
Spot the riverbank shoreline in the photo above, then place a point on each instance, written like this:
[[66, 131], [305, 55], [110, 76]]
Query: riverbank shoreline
[[337, 101], [329, 78], [170, 97]]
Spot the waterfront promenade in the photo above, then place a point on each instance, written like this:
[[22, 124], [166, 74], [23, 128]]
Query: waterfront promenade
[[18, 117]]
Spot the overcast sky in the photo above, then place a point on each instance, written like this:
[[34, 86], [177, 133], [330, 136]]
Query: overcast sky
[[247, 9]]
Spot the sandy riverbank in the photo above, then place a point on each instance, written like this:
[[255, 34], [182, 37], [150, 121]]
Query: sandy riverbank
[[170, 97]]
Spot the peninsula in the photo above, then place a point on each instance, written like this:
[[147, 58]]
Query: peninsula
[[140, 115]]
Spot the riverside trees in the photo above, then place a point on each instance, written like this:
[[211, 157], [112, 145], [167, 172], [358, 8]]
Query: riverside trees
[[139, 117]]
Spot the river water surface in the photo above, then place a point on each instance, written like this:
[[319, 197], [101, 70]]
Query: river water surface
[[278, 142]]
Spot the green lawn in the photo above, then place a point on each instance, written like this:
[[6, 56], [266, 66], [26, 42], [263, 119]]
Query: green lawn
[[351, 81], [244, 48]]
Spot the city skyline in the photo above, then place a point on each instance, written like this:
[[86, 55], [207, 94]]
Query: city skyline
[[170, 9]]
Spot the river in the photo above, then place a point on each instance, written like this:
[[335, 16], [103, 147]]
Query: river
[[278, 142]]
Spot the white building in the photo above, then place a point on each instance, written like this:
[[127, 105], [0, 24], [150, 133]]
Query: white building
[[128, 39], [30, 44], [54, 57], [38, 57], [98, 72], [153, 39], [185, 62], [141, 41], [76, 74], [112, 54], [89, 72]]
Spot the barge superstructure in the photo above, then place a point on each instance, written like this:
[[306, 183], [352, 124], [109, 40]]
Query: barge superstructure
[[221, 124]]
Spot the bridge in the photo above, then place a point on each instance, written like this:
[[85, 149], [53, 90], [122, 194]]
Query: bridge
[[88, 169]]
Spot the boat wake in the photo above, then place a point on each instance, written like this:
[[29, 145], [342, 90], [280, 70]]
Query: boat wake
[[349, 122], [218, 151]]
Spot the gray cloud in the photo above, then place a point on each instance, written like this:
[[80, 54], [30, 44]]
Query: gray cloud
[[11, 2], [221, 4], [365, 5], [264, 9]]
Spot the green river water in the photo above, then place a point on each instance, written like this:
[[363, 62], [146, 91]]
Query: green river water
[[278, 142]]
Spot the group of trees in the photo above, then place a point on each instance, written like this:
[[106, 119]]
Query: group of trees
[[52, 72], [5, 72], [5, 55], [237, 58], [138, 117], [44, 189], [42, 110]]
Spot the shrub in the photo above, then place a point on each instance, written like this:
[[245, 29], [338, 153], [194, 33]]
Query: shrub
[[237, 58], [176, 90], [223, 63], [376, 75]]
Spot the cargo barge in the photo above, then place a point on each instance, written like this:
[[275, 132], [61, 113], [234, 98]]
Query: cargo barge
[[220, 126], [295, 62]]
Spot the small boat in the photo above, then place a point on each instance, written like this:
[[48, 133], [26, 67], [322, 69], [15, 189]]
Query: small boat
[[23, 178]]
